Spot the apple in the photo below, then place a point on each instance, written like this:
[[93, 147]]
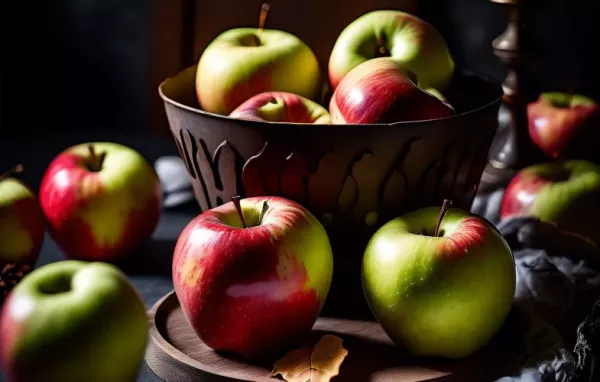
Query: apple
[[252, 275], [381, 91], [564, 125], [563, 193], [440, 286], [101, 201], [281, 107], [70, 321], [242, 62], [22, 229], [404, 38]]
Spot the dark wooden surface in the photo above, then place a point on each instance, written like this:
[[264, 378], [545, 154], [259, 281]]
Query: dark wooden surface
[[176, 354]]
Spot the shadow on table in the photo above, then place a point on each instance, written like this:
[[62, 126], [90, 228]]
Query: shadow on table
[[153, 258]]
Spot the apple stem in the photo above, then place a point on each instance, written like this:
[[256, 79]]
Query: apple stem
[[264, 10], [265, 207], [96, 160], [15, 170], [238, 208], [445, 207]]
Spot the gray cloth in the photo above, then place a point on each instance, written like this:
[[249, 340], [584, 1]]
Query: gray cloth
[[558, 284]]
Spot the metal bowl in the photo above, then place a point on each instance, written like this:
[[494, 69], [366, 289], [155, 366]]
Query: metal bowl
[[354, 178]]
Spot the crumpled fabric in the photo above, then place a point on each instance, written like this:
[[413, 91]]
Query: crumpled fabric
[[558, 290]]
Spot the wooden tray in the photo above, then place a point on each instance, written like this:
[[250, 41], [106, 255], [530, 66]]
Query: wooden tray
[[176, 354]]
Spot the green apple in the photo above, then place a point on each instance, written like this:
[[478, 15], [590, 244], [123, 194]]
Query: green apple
[[243, 62], [403, 37], [71, 321], [439, 289], [22, 229], [563, 193]]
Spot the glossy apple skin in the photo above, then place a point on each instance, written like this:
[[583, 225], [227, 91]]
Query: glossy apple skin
[[253, 291], [22, 229], [234, 68], [281, 107], [441, 296], [22, 224], [381, 91], [69, 320], [564, 126], [104, 215], [410, 41], [564, 193]]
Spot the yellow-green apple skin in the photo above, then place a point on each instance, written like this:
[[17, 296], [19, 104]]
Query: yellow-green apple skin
[[563, 193], [405, 38], [100, 211], [444, 296], [239, 64], [73, 321], [281, 107], [22, 229]]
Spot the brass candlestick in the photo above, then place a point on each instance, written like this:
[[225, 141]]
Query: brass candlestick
[[512, 148]]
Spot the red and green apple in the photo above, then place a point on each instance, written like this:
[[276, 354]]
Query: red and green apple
[[281, 107], [22, 229], [564, 125], [101, 201], [563, 193], [70, 321], [403, 37], [439, 283], [382, 91], [252, 275], [243, 62]]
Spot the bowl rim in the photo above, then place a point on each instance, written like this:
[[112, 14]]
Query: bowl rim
[[491, 83]]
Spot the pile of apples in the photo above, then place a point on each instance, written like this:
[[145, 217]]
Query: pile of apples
[[386, 66], [80, 318], [252, 276], [563, 189]]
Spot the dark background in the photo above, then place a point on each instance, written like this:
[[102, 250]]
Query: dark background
[[73, 64]]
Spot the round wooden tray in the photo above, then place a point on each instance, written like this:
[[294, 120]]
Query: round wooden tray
[[175, 353]]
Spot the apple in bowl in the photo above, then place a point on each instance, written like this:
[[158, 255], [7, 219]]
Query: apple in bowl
[[101, 201], [241, 62], [281, 107], [563, 193], [382, 91], [439, 283], [404, 38], [252, 275], [565, 126]]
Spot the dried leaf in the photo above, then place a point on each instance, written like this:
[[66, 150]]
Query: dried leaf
[[317, 365]]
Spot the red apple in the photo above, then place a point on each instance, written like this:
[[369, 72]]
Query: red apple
[[564, 125], [282, 107], [101, 201], [22, 230], [563, 193], [252, 280], [381, 91]]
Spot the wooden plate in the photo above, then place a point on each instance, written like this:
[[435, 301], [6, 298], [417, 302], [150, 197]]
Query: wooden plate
[[176, 354]]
